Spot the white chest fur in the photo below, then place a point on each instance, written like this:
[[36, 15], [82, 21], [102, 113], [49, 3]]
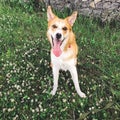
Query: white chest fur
[[61, 62]]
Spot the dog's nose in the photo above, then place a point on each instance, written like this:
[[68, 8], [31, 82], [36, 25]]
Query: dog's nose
[[58, 35]]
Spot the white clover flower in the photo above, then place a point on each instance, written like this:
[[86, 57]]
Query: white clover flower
[[36, 100], [17, 87], [101, 100], [28, 98], [33, 89], [37, 109], [41, 110], [10, 64], [64, 100], [78, 111], [4, 110], [15, 71], [90, 108], [73, 100], [1, 86], [0, 94], [97, 104], [110, 98], [40, 106], [44, 110], [93, 113], [33, 110], [12, 100], [23, 83], [116, 112], [88, 92], [8, 75], [15, 117], [11, 109], [23, 90], [32, 101], [51, 115], [2, 59]]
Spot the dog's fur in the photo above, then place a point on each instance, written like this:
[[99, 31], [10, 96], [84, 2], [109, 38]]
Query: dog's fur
[[64, 48]]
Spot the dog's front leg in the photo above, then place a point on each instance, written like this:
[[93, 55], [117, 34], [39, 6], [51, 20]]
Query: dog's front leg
[[74, 75], [55, 79]]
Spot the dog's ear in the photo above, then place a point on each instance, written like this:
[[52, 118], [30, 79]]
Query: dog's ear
[[50, 14], [71, 19]]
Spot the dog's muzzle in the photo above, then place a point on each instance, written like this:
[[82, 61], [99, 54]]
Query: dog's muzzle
[[57, 40]]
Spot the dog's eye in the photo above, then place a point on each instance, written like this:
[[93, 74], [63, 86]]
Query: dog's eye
[[64, 28], [54, 26]]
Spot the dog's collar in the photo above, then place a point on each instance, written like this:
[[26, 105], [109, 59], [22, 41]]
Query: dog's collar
[[69, 46]]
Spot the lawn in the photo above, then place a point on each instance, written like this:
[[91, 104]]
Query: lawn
[[26, 76]]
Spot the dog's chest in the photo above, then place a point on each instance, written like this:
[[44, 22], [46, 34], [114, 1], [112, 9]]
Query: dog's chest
[[61, 63]]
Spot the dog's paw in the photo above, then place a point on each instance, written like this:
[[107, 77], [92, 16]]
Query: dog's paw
[[82, 95], [52, 92]]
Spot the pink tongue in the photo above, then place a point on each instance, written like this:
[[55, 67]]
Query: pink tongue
[[56, 49]]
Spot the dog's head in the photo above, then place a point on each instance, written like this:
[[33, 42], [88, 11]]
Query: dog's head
[[59, 30]]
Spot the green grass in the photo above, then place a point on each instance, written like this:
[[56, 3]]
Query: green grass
[[26, 77]]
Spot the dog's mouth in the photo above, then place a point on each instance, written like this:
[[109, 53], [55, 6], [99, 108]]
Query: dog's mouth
[[56, 43]]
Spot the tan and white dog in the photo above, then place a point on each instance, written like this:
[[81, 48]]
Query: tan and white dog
[[64, 48]]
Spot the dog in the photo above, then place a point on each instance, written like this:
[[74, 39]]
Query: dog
[[64, 49]]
